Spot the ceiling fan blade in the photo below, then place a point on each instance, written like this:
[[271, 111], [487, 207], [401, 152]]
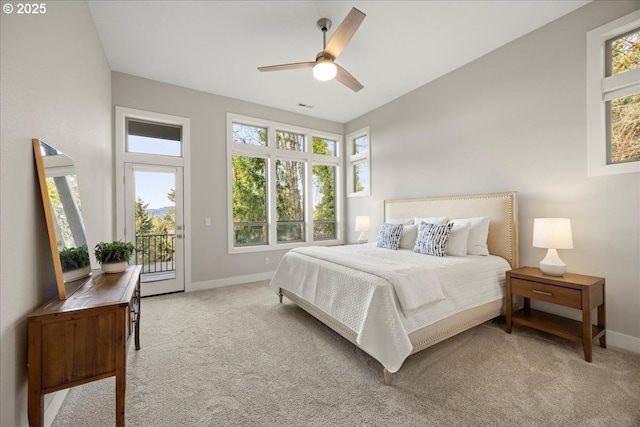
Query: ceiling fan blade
[[347, 79], [345, 31], [293, 66]]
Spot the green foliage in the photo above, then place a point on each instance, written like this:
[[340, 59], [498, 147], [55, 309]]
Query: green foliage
[[160, 247], [113, 252], [250, 202], [74, 258], [625, 53], [249, 199], [144, 224]]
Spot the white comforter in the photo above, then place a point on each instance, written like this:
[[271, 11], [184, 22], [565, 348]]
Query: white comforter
[[336, 280]]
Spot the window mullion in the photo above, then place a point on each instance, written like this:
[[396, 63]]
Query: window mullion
[[621, 81]]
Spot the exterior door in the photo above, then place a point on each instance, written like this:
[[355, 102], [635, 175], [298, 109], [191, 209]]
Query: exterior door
[[154, 225]]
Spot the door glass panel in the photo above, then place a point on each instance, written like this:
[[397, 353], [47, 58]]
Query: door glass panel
[[155, 212]]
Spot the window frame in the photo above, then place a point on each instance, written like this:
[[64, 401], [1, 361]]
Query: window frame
[[271, 153], [355, 159], [601, 89]]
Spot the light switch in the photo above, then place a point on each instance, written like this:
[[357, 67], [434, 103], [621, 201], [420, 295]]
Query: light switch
[[207, 221]]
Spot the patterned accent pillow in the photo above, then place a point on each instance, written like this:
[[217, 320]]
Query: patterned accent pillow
[[389, 236], [432, 239]]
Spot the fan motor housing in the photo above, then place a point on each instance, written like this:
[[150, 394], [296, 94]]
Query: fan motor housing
[[324, 24]]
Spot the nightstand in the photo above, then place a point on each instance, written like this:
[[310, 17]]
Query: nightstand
[[570, 290]]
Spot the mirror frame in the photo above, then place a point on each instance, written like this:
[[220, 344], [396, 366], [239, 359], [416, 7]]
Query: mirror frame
[[65, 289]]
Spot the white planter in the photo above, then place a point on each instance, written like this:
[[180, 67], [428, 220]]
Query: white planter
[[78, 273], [115, 267]]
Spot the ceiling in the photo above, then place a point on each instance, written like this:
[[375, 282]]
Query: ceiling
[[216, 46]]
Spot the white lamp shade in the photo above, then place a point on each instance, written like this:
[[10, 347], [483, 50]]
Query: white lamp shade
[[324, 70], [362, 223], [552, 233]]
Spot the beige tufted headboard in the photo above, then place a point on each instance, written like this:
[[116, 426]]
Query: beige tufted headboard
[[501, 207]]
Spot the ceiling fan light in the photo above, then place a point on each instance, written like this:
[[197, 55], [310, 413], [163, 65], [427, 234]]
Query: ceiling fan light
[[324, 70]]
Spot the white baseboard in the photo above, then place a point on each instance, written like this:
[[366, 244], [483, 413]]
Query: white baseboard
[[228, 281], [625, 342], [53, 407]]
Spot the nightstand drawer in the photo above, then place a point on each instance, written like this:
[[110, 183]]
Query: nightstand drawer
[[548, 293]]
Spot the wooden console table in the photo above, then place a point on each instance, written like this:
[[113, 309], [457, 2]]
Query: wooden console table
[[84, 338]]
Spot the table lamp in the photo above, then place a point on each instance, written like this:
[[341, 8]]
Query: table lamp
[[362, 225], [553, 234]]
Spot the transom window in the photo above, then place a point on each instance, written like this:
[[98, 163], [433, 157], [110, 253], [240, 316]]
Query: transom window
[[153, 138], [613, 96], [284, 185]]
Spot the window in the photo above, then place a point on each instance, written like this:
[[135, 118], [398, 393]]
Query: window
[[284, 185], [249, 182], [613, 97], [359, 165], [153, 138]]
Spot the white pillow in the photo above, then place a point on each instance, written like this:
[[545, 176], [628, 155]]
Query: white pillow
[[478, 235], [431, 220], [457, 244], [403, 221], [408, 238]]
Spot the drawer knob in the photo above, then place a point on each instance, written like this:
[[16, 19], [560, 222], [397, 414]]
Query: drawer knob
[[535, 291]]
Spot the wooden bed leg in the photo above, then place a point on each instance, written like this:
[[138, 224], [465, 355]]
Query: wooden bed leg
[[388, 377], [280, 295]]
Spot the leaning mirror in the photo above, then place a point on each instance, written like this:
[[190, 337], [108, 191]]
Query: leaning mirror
[[63, 214]]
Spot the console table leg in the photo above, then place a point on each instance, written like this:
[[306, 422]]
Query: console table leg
[[36, 409], [137, 327], [121, 365], [587, 333]]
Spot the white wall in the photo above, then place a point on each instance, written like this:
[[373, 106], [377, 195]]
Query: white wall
[[211, 265], [55, 85], [515, 119]]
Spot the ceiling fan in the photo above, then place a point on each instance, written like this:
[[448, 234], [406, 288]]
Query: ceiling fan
[[324, 67]]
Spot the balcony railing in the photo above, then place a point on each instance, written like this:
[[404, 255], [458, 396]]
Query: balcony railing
[[156, 252]]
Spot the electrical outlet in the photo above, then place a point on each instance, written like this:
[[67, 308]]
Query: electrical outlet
[[207, 221], [267, 261]]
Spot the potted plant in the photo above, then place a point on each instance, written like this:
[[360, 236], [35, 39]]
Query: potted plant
[[114, 257], [75, 263]]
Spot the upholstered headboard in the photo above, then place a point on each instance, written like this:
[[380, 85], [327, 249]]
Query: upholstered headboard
[[501, 207]]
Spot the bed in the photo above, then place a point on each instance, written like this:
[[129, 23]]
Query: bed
[[394, 303]]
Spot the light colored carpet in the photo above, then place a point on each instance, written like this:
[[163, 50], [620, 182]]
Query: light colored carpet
[[236, 357]]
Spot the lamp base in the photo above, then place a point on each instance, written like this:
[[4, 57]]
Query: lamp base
[[362, 238], [552, 265]]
